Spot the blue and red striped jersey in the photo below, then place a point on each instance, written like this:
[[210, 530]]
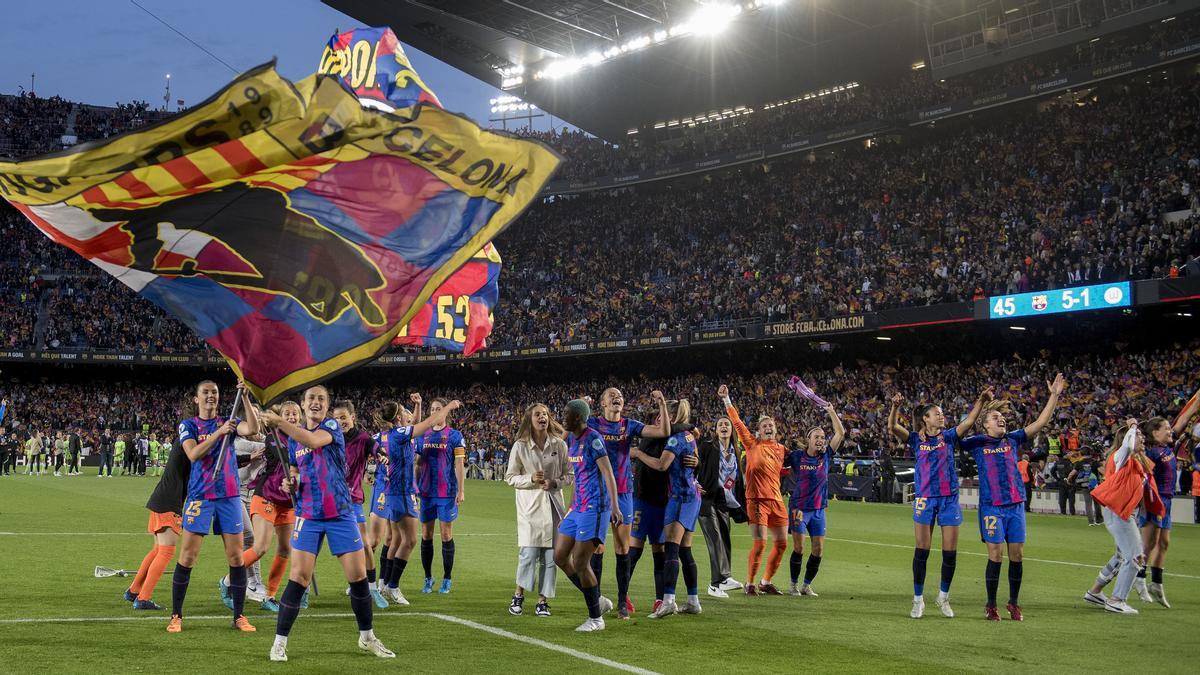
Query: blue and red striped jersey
[[1166, 469], [617, 438], [1000, 482], [203, 483], [582, 453], [322, 493], [401, 452], [359, 448], [811, 475], [681, 484], [437, 449], [935, 474]]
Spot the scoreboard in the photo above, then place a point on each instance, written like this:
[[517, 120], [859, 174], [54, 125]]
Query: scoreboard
[[1058, 301]]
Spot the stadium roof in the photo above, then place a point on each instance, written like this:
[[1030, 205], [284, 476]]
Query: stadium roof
[[671, 65]]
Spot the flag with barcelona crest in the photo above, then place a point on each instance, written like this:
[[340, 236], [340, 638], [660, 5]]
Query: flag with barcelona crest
[[293, 227]]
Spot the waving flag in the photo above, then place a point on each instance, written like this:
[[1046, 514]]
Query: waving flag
[[293, 229], [372, 63]]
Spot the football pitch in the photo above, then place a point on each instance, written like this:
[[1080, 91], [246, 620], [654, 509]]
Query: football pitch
[[56, 617]]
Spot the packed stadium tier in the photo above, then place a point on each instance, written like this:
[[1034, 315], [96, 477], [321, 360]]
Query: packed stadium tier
[[1073, 193]]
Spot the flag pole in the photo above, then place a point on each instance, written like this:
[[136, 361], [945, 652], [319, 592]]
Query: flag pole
[[237, 401]]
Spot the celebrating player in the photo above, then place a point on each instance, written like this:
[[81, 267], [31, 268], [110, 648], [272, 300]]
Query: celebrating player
[[271, 508], [165, 505], [764, 503], [618, 433], [806, 507], [683, 509], [401, 507], [935, 490], [440, 465], [317, 455], [1121, 495], [585, 525], [360, 447], [1002, 494], [213, 500]]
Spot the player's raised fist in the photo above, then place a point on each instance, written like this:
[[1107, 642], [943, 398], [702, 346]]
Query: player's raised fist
[[723, 391]]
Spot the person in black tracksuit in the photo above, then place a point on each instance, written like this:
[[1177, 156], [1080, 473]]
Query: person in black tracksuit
[[8, 453]]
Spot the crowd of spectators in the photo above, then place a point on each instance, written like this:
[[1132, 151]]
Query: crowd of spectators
[[31, 125], [1072, 193], [1068, 196], [95, 123], [1102, 390], [886, 99]]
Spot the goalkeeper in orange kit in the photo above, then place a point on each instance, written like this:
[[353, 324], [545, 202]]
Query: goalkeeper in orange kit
[[765, 508]]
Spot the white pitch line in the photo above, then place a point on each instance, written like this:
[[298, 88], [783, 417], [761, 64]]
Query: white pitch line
[[500, 632]]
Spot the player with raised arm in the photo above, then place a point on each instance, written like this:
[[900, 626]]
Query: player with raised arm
[[360, 448], [806, 507], [1156, 530], [764, 503], [586, 524], [400, 499], [619, 433], [213, 497], [935, 490], [1002, 494], [682, 512], [325, 512], [440, 466], [1122, 496]]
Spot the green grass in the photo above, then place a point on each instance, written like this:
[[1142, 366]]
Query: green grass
[[860, 623]]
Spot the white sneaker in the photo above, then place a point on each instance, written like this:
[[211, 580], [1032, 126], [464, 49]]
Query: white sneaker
[[918, 608], [255, 593], [730, 584], [395, 596], [606, 605], [943, 603], [716, 592], [667, 608], [278, 652], [591, 626], [1159, 595], [1097, 599], [691, 608], [794, 590], [1119, 607], [1143, 593], [376, 647]]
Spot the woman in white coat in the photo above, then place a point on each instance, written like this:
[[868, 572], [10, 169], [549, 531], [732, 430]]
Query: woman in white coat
[[537, 468]]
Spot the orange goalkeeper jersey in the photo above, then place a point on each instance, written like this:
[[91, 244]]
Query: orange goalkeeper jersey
[[764, 461]]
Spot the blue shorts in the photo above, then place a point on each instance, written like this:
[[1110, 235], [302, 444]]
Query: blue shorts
[[648, 521], [399, 507], [342, 533], [591, 524], [360, 514], [812, 522], [943, 510], [684, 513], [1163, 523], [625, 503], [1000, 524], [438, 508], [379, 502], [221, 515]]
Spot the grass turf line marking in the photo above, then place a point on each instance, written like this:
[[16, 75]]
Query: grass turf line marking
[[500, 632]]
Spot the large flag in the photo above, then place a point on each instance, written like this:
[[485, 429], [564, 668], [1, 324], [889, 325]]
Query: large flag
[[295, 230], [458, 316]]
